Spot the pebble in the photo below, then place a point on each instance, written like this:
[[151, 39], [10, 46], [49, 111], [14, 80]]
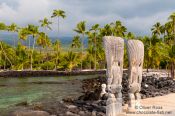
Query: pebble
[[71, 106]]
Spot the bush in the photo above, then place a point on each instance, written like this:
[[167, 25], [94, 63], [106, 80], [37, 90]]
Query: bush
[[48, 66]]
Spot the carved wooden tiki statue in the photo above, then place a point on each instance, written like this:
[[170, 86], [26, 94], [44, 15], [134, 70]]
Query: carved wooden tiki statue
[[135, 50], [114, 51]]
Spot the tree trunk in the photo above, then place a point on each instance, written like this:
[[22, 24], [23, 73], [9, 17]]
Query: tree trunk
[[5, 64], [47, 55], [172, 70], [90, 64], [148, 65], [56, 62], [41, 61], [82, 48], [147, 70], [95, 67], [58, 25], [29, 43], [14, 43], [31, 58], [55, 66]]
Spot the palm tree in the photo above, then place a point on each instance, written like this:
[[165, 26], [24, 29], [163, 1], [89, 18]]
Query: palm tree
[[3, 27], [45, 23], [148, 52], [106, 30], [81, 29], [21, 52], [23, 33], [43, 40], [90, 56], [172, 18], [13, 28], [58, 13], [118, 29], [153, 50], [7, 54], [94, 29], [163, 30], [92, 47], [33, 31], [76, 42], [130, 35], [71, 60], [170, 57], [156, 29], [168, 32], [57, 47]]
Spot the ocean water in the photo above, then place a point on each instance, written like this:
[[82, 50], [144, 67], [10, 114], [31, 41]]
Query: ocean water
[[35, 89]]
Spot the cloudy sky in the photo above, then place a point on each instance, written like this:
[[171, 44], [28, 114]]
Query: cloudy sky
[[137, 15]]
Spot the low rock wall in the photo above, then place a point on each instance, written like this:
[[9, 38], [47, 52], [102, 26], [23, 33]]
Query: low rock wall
[[151, 73]]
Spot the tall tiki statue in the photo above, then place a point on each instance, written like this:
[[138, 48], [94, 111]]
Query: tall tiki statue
[[114, 51], [135, 50]]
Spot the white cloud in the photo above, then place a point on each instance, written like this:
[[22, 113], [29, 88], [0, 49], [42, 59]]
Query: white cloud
[[6, 13], [138, 16], [142, 25], [26, 11]]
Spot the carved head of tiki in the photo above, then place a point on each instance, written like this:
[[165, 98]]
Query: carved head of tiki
[[114, 52]]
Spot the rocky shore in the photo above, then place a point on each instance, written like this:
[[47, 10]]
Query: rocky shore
[[48, 73], [90, 104]]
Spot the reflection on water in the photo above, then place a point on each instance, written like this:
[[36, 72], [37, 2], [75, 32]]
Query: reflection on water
[[16, 90]]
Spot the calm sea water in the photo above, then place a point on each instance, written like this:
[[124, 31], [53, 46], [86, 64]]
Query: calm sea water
[[17, 90]]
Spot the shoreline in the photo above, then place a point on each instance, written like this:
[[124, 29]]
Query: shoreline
[[46, 73], [90, 102]]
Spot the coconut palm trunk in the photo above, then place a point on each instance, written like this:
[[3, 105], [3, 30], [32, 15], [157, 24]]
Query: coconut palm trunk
[[31, 58], [82, 48], [95, 29], [57, 56], [95, 67], [14, 43], [172, 18], [56, 62], [58, 24], [81, 29], [29, 43], [172, 69]]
